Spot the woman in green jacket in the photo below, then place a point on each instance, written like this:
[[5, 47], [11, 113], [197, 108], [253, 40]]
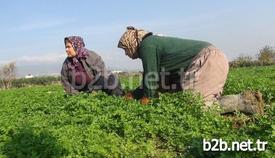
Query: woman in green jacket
[[173, 64]]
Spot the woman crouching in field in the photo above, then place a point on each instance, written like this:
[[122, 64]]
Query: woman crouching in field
[[84, 70], [172, 64]]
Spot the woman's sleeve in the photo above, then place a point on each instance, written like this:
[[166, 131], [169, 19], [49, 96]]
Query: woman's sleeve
[[69, 89], [148, 56]]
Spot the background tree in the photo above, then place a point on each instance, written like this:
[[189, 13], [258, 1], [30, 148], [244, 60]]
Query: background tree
[[8, 74], [242, 61], [266, 55]]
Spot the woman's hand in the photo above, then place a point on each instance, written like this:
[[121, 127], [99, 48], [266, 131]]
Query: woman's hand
[[129, 96], [144, 100]]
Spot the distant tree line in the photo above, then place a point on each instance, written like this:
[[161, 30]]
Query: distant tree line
[[265, 57], [8, 78], [44, 80]]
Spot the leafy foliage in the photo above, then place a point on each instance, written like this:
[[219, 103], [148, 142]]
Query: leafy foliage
[[41, 122], [253, 78]]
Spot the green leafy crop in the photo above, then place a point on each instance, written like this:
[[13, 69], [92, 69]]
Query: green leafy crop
[[41, 122]]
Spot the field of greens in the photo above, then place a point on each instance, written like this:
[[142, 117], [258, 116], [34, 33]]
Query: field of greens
[[40, 121]]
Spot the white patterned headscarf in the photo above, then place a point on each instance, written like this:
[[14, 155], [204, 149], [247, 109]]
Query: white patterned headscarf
[[131, 40]]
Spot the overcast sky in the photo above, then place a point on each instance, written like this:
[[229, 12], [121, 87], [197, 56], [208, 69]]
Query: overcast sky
[[32, 32]]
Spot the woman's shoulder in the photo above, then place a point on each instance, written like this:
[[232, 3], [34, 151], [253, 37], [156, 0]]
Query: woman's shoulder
[[92, 54], [93, 58], [66, 61], [65, 64], [151, 40]]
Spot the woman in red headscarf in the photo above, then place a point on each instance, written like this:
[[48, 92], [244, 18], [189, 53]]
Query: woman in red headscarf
[[84, 70]]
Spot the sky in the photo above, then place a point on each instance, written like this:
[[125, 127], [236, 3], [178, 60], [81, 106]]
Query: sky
[[32, 32]]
